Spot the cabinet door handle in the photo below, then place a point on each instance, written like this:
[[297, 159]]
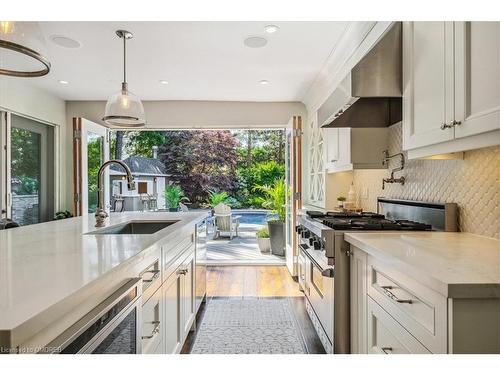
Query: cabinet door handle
[[387, 350], [155, 273], [333, 160], [156, 330], [452, 124], [182, 271], [392, 296]]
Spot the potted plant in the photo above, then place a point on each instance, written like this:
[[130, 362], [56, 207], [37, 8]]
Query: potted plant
[[274, 199], [340, 201], [263, 240], [174, 195], [216, 197]]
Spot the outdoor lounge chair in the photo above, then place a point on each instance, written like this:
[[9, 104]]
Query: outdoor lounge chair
[[224, 221]]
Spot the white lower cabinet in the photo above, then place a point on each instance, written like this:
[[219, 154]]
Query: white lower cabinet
[[172, 300], [392, 312], [387, 336], [153, 320], [179, 302]]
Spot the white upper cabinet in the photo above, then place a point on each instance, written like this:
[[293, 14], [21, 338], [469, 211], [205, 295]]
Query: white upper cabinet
[[354, 148], [451, 84], [477, 77], [427, 82]]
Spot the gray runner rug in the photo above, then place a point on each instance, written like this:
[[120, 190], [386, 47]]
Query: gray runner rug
[[249, 326]]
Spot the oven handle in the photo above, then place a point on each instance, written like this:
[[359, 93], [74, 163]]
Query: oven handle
[[73, 332], [325, 272]]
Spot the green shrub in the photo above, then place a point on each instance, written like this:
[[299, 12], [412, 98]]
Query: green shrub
[[274, 197], [216, 197], [233, 202], [174, 195], [262, 233]]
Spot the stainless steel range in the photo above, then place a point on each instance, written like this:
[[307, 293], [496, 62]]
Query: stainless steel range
[[323, 257]]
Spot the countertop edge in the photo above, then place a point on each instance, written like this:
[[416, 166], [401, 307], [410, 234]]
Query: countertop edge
[[449, 290]]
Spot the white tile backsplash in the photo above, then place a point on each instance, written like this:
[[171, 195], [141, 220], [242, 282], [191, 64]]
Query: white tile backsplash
[[473, 183]]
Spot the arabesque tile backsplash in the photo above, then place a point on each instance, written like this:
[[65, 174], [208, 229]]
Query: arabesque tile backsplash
[[473, 183]]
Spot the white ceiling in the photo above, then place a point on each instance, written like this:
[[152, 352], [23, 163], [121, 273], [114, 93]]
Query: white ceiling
[[200, 60]]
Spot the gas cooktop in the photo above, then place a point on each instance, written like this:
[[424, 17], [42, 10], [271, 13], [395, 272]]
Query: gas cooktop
[[365, 221]]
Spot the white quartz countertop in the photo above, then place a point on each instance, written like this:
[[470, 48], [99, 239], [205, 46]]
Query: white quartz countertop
[[42, 264], [456, 265]]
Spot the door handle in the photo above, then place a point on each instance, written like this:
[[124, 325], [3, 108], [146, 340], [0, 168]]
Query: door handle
[[452, 124], [156, 330], [387, 350]]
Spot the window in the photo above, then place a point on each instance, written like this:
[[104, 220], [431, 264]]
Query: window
[[142, 187]]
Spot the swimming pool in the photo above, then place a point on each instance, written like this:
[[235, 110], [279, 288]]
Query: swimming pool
[[257, 218]]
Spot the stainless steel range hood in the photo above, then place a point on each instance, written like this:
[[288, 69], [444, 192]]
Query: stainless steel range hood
[[371, 95]]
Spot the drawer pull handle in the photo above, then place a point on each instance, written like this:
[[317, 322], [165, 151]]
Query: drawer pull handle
[[387, 350], [392, 296], [155, 273], [156, 330]]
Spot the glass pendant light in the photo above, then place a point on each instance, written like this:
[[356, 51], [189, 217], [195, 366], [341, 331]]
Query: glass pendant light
[[22, 50], [124, 109]]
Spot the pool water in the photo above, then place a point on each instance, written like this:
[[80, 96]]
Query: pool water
[[258, 218]]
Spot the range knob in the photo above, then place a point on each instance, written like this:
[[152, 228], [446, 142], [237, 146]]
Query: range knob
[[317, 245], [311, 241], [298, 229], [306, 233]]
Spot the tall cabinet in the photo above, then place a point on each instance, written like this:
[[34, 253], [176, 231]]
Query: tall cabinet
[[451, 83]]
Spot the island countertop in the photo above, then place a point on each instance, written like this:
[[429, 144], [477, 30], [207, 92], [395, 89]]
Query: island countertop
[[43, 264], [457, 265]]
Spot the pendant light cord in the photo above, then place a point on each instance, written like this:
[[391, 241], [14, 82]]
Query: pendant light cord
[[124, 59]]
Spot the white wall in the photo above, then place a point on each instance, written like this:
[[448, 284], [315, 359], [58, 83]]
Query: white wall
[[20, 96]]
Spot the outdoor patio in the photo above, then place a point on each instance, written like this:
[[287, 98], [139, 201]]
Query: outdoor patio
[[242, 249]]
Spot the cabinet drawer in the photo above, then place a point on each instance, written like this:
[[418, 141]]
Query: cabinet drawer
[[386, 336], [173, 257], [420, 310], [151, 279], [152, 323]]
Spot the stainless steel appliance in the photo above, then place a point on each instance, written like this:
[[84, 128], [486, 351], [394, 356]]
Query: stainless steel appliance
[[112, 327], [371, 94], [324, 257], [201, 262]]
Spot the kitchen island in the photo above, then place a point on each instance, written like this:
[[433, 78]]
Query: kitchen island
[[425, 292], [53, 274]]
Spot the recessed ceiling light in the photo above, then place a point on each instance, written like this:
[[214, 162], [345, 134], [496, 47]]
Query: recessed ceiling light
[[271, 29], [63, 82], [163, 82], [64, 41], [264, 82], [255, 42]]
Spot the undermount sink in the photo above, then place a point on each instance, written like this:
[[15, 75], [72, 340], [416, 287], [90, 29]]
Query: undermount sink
[[136, 227]]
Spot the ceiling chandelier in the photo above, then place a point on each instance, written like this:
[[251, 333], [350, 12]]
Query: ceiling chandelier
[[22, 49], [124, 109]]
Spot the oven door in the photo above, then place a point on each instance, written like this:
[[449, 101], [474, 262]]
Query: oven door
[[320, 294], [113, 327], [301, 261]]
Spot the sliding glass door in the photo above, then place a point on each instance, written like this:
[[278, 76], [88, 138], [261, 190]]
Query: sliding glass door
[[27, 170]]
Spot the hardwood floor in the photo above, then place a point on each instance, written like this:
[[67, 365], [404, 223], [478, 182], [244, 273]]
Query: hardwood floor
[[251, 281], [258, 281]]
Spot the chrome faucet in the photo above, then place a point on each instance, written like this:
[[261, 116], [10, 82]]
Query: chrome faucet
[[392, 179], [101, 213]]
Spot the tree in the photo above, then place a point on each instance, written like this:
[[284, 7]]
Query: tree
[[119, 145], [200, 161], [140, 143]]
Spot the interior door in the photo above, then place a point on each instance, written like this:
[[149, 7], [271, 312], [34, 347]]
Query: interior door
[[90, 150], [293, 180]]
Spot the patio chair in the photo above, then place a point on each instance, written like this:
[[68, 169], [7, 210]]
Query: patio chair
[[224, 221], [183, 207]]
